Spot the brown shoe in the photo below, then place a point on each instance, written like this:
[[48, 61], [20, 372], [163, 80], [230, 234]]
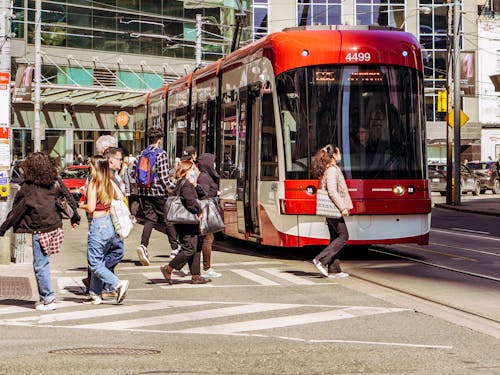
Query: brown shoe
[[200, 280], [167, 273]]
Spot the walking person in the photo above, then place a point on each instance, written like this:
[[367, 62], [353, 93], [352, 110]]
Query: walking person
[[100, 192], [34, 211], [186, 176], [325, 167], [153, 190], [208, 180]]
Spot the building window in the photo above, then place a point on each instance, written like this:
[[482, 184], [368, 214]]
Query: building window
[[260, 18], [380, 12], [319, 12]]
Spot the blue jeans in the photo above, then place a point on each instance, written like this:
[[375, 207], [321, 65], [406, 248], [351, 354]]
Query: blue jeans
[[41, 266], [101, 237], [113, 257]]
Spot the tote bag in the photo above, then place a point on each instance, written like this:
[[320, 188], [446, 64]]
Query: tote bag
[[120, 216], [176, 213], [211, 220], [325, 206]]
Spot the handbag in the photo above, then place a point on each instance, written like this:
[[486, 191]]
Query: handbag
[[176, 213], [64, 208], [121, 217], [211, 219], [325, 206]]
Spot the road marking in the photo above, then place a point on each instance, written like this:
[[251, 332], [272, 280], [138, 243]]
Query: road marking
[[450, 255], [470, 231], [468, 235], [189, 316], [69, 285], [465, 249], [235, 264], [291, 320], [285, 275], [254, 277]]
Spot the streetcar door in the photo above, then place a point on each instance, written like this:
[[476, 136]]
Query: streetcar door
[[249, 158]]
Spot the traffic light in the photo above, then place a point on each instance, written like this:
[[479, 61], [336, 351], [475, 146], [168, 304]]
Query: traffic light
[[442, 101]]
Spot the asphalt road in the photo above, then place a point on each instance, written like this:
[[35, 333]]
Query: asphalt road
[[269, 313]]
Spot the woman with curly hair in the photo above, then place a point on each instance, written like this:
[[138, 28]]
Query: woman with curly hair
[[325, 167], [100, 193], [34, 211]]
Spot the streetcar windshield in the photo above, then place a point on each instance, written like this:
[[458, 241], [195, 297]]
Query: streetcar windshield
[[373, 113]]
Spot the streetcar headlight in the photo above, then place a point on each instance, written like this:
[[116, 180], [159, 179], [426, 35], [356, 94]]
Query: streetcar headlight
[[398, 190], [305, 53]]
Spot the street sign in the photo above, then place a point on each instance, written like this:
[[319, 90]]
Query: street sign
[[450, 118]]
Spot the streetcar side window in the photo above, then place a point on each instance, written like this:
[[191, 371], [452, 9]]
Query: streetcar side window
[[269, 148]]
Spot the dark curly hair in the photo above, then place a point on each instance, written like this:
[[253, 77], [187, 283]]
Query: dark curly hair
[[154, 134], [39, 169], [322, 158]]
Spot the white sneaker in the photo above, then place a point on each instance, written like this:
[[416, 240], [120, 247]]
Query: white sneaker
[[93, 300], [142, 253], [184, 271], [121, 291], [174, 253], [210, 273], [321, 268], [338, 275], [41, 306]]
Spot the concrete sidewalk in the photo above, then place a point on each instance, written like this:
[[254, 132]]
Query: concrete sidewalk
[[484, 206]]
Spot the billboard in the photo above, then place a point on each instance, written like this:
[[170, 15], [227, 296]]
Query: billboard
[[468, 73]]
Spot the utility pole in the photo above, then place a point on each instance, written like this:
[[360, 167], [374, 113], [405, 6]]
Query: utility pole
[[38, 73], [5, 112], [457, 99], [198, 40]]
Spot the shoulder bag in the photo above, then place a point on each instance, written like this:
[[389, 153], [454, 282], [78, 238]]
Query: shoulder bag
[[212, 220], [176, 212], [62, 204], [120, 216]]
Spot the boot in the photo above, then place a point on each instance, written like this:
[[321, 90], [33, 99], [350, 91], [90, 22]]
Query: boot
[[197, 279], [167, 273]]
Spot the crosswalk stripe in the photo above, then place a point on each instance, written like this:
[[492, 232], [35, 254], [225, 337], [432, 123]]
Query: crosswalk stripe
[[254, 277], [96, 312], [66, 284], [287, 321], [287, 276], [189, 316]]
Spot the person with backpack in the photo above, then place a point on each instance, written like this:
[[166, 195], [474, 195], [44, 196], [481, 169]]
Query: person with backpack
[[151, 175]]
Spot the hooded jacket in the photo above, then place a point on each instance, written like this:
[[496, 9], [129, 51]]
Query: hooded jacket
[[208, 178]]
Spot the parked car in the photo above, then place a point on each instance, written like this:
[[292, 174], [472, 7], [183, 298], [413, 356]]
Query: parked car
[[468, 180], [487, 173], [74, 178]]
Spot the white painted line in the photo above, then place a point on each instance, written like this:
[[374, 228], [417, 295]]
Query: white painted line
[[470, 231], [282, 274], [189, 316], [66, 283], [292, 320], [99, 311], [465, 249], [468, 235], [254, 277]]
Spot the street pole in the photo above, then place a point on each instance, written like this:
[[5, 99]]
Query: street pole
[[5, 62], [457, 99], [198, 40], [38, 73]]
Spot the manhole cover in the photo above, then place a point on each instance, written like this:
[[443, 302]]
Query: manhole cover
[[15, 287], [105, 351]]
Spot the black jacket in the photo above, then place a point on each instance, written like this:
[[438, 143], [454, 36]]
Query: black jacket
[[34, 209], [189, 196], [208, 178]]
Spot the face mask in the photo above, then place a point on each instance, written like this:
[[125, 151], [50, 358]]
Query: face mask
[[193, 175]]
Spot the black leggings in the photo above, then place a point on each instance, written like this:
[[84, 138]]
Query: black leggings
[[339, 236]]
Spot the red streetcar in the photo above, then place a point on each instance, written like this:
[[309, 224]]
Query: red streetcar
[[265, 110]]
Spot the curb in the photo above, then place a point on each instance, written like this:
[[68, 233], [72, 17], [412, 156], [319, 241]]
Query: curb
[[466, 209]]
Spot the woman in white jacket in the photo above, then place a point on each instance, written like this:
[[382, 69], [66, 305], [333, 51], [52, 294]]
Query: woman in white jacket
[[325, 166]]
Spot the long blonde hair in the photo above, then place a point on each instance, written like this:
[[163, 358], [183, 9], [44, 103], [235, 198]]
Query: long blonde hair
[[101, 178]]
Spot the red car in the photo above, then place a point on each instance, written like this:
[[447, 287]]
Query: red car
[[74, 178]]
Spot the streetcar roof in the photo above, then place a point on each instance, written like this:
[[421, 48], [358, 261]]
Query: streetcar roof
[[301, 47]]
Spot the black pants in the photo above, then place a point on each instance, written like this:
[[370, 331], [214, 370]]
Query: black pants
[[151, 206], [190, 248], [339, 236]]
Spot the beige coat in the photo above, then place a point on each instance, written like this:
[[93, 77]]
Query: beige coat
[[334, 182]]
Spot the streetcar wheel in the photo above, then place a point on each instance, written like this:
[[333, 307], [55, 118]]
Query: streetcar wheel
[[477, 189]]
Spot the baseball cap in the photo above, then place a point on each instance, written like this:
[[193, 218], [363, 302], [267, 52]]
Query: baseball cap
[[188, 152]]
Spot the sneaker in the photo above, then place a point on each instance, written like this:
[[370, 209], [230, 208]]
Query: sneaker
[[338, 275], [210, 273], [142, 253], [41, 306], [321, 268], [109, 295], [174, 253], [184, 271], [121, 291], [93, 300]]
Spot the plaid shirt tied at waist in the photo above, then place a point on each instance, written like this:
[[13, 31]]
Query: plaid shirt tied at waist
[[51, 242]]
